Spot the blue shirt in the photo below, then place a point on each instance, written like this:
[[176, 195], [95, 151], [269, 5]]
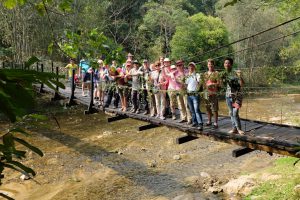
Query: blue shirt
[[84, 66]]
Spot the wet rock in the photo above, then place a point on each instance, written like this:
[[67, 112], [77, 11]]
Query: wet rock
[[215, 190], [24, 177], [205, 175], [153, 164], [177, 157], [297, 189], [190, 196], [242, 185]]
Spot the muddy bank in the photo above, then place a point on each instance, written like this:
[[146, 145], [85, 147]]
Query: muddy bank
[[88, 158]]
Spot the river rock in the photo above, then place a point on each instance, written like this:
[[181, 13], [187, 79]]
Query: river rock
[[297, 189], [23, 177], [205, 175], [215, 190], [242, 185], [189, 196], [177, 157]]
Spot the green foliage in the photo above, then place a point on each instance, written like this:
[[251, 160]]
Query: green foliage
[[16, 100], [91, 45], [282, 188], [200, 34]]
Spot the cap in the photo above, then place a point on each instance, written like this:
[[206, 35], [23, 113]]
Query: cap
[[135, 62], [100, 61], [145, 61], [167, 60], [192, 63]]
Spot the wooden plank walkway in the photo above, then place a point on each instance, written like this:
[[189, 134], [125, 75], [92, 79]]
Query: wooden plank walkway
[[269, 137]]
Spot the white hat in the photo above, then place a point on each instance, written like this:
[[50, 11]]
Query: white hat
[[167, 60], [100, 61], [173, 67]]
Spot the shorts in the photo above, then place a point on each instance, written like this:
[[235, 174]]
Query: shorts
[[101, 86], [212, 103], [123, 91], [86, 77]]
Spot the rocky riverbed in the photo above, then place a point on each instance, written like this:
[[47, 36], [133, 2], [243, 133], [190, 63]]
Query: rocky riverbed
[[88, 158]]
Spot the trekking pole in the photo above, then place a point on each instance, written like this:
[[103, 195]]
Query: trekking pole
[[91, 108]]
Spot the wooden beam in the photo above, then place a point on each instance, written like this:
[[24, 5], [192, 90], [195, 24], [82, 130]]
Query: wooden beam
[[146, 127], [116, 118], [186, 138], [241, 151]]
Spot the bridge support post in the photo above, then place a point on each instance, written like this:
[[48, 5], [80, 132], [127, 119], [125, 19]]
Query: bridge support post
[[42, 84], [56, 96], [91, 109], [241, 151], [146, 127], [186, 138], [116, 118], [72, 97]]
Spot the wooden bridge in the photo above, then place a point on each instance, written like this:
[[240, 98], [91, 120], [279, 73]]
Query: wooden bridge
[[269, 137]]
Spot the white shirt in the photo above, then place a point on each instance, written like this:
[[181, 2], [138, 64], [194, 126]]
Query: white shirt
[[192, 82]]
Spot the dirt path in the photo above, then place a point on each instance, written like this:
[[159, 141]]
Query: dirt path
[[88, 158]]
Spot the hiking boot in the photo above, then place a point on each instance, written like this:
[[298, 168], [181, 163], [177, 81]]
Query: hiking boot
[[137, 112], [233, 131], [200, 127], [182, 121]]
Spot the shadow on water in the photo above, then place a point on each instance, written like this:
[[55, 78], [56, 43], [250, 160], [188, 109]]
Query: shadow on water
[[158, 183]]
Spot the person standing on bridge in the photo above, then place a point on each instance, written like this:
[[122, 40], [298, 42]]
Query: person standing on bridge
[[233, 82], [211, 83], [193, 96], [71, 66]]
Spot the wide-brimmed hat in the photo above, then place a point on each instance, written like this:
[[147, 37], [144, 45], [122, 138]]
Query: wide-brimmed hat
[[167, 60], [192, 64], [179, 62], [100, 61], [145, 61]]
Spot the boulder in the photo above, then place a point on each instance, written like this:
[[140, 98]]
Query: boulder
[[242, 185]]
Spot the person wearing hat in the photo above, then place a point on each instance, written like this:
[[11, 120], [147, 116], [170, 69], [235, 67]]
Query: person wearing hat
[[160, 81], [180, 79], [145, 85], [135, 75], [112, 93], [122, 84], [193, 97], [129, 56], [166, 70], [172, 89]]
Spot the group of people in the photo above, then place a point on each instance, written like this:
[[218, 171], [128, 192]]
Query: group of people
[[159, 88]]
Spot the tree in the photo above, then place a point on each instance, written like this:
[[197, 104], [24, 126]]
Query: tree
[[200, 34]]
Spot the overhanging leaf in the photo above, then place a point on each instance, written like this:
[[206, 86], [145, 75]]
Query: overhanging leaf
[[32, 148]]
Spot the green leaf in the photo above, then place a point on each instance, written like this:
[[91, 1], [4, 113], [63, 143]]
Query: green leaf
[[23, 167], [32, 148], [10, 4], [40, 8], [38, 117], [50, 48], [231, 3], [18, 130], [8, 140], [31, 61]]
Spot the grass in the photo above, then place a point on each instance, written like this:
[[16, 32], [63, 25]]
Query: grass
[[282, 188]]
